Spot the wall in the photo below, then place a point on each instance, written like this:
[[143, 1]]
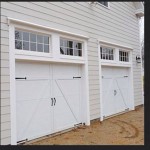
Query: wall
[[117, 24]]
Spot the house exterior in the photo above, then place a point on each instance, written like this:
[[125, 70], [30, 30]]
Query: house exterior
[[67, 63]]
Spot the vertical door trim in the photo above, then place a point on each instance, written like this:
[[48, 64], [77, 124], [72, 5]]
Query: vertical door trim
[[100, 83], [12, 86]]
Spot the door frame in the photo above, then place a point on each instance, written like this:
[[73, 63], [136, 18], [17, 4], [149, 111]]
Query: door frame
[[84, 73], [116, 63]]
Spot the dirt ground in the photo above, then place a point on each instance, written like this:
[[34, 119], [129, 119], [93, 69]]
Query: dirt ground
[[125, 129]]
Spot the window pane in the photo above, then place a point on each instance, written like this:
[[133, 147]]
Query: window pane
[[70, 44], [32, 37], [46, 48], [61, 42], [33, 46], [80, 52], [69, 51], [18, 44], [25, 36], [79, 45], [18, 35], [25, 45], [46, 40], [65, 43], [77, 52], [39, 38], [40, 47], [63, 50]]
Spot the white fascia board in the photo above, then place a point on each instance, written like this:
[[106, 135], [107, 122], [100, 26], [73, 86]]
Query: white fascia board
[[13, 20], [114, 44]]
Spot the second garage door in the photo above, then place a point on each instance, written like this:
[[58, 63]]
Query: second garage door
[[48, 98], [115, 90]]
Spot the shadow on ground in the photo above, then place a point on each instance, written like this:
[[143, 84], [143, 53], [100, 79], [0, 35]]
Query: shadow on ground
[[125, 129]]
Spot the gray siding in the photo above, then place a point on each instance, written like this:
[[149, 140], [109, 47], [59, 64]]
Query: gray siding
[[117, 24]]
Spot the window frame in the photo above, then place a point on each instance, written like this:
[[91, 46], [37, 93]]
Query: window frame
[[73, 41], [122, 50], [37, 32], [72, 57], [107, 53], [115, 61], [108, 7]]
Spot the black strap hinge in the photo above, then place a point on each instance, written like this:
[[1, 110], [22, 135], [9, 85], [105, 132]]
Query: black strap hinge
[[17, 78], [76, 77]]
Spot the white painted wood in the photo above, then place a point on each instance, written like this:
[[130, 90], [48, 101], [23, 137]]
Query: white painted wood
[[45, 27], [117, 25], [12, 87], [116, 95], [35, 94]]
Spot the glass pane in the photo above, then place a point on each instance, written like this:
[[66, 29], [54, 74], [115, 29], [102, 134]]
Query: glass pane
[[46, 48], [25, 36], [18, 35], [61, 42], [65, 43], [25, 45], [62, 50], [101, 49], [33, 46], [76, 45], [79, 45], [80, 52], [18, 44], [70, 44], [32, 37], [69, 51], [103, 56], [39, 38], [46, 40], [40, 47], [107, 56], [76, 53]]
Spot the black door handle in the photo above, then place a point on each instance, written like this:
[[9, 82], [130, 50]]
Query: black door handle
[[54, 101]]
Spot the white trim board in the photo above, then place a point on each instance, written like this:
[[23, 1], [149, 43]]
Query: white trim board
[[114, 44], [13, 56], [13, 20], [115, 64]]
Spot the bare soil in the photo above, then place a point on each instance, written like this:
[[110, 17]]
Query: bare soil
[[124, 129]]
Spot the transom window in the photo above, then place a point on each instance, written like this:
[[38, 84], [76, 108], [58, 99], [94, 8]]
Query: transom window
[[31, 41], [123, 56], [70, 47], [105, 3], [107, 53]]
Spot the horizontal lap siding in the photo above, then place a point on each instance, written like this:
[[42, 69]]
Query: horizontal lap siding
[[5, 84], [117, 24]]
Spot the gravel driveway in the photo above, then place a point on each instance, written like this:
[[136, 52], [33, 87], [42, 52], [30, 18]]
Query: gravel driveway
[[125, 129]]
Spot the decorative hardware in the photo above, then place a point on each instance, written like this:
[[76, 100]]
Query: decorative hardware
[[54, 101], [115, 92], [17, 78], [138, 59], [76, 77]]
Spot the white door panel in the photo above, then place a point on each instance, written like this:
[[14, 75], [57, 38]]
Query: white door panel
[[33, 96], [36, 115], [115, 84], [67, 94]]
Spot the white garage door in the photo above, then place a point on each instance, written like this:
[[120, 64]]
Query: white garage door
[[115, 90], [48, 98]]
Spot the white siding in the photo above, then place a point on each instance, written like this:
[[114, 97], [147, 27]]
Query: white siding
[[117, 24]]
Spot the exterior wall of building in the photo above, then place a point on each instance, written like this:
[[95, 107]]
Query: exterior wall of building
[[117, 24]]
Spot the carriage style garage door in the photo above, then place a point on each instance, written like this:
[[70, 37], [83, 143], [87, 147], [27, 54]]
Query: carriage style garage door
[[115, 90], [48, 98]]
